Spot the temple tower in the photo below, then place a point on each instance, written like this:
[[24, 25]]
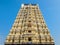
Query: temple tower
[[29, 28]]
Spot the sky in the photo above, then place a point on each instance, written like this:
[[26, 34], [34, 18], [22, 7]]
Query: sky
[[50, 10]]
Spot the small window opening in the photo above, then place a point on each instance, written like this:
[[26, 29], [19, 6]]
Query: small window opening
[[29, 31], [29, 39]]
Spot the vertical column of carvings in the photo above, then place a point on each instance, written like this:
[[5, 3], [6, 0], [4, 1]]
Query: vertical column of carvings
[[36, 18], [22, 19], [17, 32], [37, 23], [20, 24], [28, 36], [42, 26], [25, 24], [31, 24], [40, 20], [18, 29], [39, 26]]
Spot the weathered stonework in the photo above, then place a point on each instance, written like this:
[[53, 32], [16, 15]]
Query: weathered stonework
[[29, 28]]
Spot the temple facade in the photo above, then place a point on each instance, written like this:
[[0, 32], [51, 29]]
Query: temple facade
[[29, 28]]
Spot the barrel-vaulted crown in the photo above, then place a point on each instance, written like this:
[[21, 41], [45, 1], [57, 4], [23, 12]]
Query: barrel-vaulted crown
[[29, 5]]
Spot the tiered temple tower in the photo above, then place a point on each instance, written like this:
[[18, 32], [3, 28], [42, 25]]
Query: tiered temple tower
[[29, 28]]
